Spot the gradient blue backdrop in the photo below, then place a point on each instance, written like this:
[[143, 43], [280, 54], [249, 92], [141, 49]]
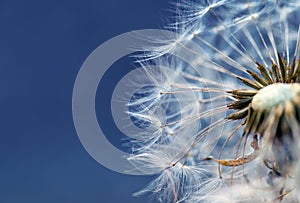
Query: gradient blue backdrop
[[43, 43]]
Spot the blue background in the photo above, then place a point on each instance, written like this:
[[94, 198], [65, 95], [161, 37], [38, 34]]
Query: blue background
[[42, 47]]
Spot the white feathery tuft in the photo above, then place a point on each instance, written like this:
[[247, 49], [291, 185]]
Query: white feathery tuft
[[183, 109]]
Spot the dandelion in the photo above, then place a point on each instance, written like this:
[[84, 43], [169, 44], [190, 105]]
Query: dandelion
[[221, 117]]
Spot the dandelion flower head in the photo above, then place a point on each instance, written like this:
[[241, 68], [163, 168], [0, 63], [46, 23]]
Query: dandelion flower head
[[220, 111]]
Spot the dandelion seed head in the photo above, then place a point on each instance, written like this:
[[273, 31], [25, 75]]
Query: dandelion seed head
[[224, 126]]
